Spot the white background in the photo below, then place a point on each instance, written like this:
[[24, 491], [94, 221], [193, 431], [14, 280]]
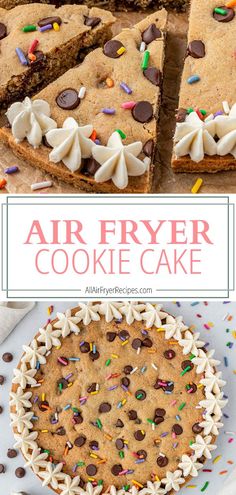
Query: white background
[[216, 336]]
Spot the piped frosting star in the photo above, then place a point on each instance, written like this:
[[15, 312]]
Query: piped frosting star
[[173, 480], [132, 311], [213, 403], [67, 323], [153, 488], [70, 144], [88, 312], [203, 446], [52, 475], [213, 381], [195, 137], [190, 343], [49, 337], [30, 119], [174, 327], [189, 465], [211, 425], [153, 315], [205, 361], [111, 310], [34, 354], [118, 161]]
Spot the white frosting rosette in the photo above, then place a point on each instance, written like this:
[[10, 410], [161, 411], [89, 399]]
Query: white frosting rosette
[[118, 161], [70, 144], [195, 137], [30, 119]]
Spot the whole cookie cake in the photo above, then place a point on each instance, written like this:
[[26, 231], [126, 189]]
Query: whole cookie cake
[[116, 397]]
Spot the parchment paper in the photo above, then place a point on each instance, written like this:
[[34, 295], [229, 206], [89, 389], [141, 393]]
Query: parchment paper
[[165, 181]]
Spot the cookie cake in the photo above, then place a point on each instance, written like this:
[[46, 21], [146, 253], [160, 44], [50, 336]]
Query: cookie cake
[[116, 398], [96, 125]]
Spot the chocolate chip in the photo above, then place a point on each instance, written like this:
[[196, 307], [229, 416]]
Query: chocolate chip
[[139, 435], [82, 483], [1, 409], [20, 472], [125, 381], [202, 459], [2, 379], [49, 20], [92, 388], [170, 354], [177, 429], [128, 369], [94, 355], [151, 33], [116, 469], [7, 357], [187, 363], [104, 407], [94, 445], [160, 412], [110, 336], [90, 167], [140, 394], [142, 454], [196, 49], [181, 115], [11, 453], [43, 405], [80, 441], [192, 388], [60, 431], [91, 470], [119, 423], [197, 428], [91, 21], [124, 335], [147, 342], [3, 31], [85, 347], [142, 111], [119, 444], [162, 461], [169, 387], [224, 18], [158, 420], [157, 386], [148, 147], [111, 48], [77, 419], [63, 382], [153, 75], [68, 99], [136, 343], [132, 414], [2, 469]]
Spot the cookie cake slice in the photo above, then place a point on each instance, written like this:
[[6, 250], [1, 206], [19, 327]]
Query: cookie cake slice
[[205, 138], [39, 42], [96, 126]]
